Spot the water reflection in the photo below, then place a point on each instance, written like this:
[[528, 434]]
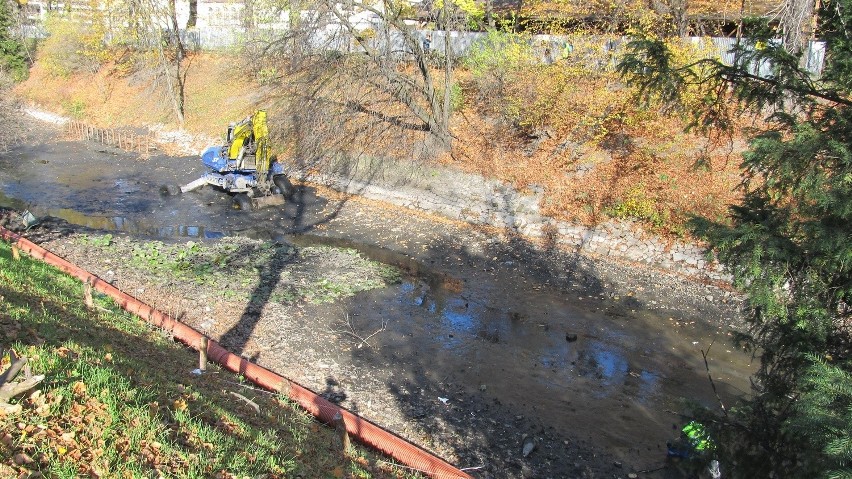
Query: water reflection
[[121, 223], [603, 362], [649, 385], [457, 321]]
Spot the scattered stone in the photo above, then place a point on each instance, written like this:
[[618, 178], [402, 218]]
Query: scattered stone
[[169, 190], [529, 446]]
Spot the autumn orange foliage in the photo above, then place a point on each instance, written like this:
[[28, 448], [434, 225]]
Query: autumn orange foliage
[[571, 128]]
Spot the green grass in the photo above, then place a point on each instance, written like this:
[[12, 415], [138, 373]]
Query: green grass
[[118, 399], [291, 274]]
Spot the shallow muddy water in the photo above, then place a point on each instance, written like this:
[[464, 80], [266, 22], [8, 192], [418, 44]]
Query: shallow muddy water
[[613, 370]]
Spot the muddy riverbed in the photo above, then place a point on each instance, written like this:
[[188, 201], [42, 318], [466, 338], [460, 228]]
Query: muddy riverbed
[[486, 341]]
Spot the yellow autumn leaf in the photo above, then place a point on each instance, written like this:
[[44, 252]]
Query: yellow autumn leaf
[[78, 388]]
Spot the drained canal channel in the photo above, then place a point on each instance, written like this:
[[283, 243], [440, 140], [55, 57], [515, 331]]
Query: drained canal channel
[[473, 343]]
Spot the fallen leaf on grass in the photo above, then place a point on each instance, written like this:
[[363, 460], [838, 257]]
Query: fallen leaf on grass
[[64, 352], [154, 410], [79, 388], [180, 404]]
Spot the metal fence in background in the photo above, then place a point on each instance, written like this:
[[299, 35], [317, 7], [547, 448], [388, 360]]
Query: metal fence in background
[[548, 48]]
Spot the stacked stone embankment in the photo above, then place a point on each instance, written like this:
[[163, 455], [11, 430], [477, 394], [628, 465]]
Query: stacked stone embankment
[[482, 201]]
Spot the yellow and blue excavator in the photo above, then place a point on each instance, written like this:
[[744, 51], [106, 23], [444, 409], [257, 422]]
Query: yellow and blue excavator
[[244, 168]]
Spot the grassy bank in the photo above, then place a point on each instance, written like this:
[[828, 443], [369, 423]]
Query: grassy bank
[[118, 399]]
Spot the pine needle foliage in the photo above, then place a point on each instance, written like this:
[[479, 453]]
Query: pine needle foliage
[[788, 244], [824, 415], [13, 60]]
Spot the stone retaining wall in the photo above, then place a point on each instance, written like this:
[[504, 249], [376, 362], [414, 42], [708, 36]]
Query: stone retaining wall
[[478, 200]]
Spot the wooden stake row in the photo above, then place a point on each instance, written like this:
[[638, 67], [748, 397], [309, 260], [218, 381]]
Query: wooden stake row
[[124, 140]]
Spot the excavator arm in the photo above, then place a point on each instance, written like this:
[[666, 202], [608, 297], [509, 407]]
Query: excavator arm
[[250, 137]]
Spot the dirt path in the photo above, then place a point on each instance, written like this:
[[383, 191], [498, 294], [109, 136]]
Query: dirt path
[[474, 352]]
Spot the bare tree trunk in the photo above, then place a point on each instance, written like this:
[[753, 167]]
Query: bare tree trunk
[[442, 131], [193, 14], [515, 24], [678, 11], [248, 15], [133, 15], [489, 14], [294, 17], [161, 44], [797, 20], [680, 17], [178, 88]]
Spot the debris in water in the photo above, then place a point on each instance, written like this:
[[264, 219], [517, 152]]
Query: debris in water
[[444, 400], [529, 445], [28, 219]]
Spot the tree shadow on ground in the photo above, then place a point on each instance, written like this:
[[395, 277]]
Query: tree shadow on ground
[[491, 343], [303, 217]]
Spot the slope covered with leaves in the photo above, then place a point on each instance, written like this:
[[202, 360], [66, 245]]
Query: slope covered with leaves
[[118, 399]]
